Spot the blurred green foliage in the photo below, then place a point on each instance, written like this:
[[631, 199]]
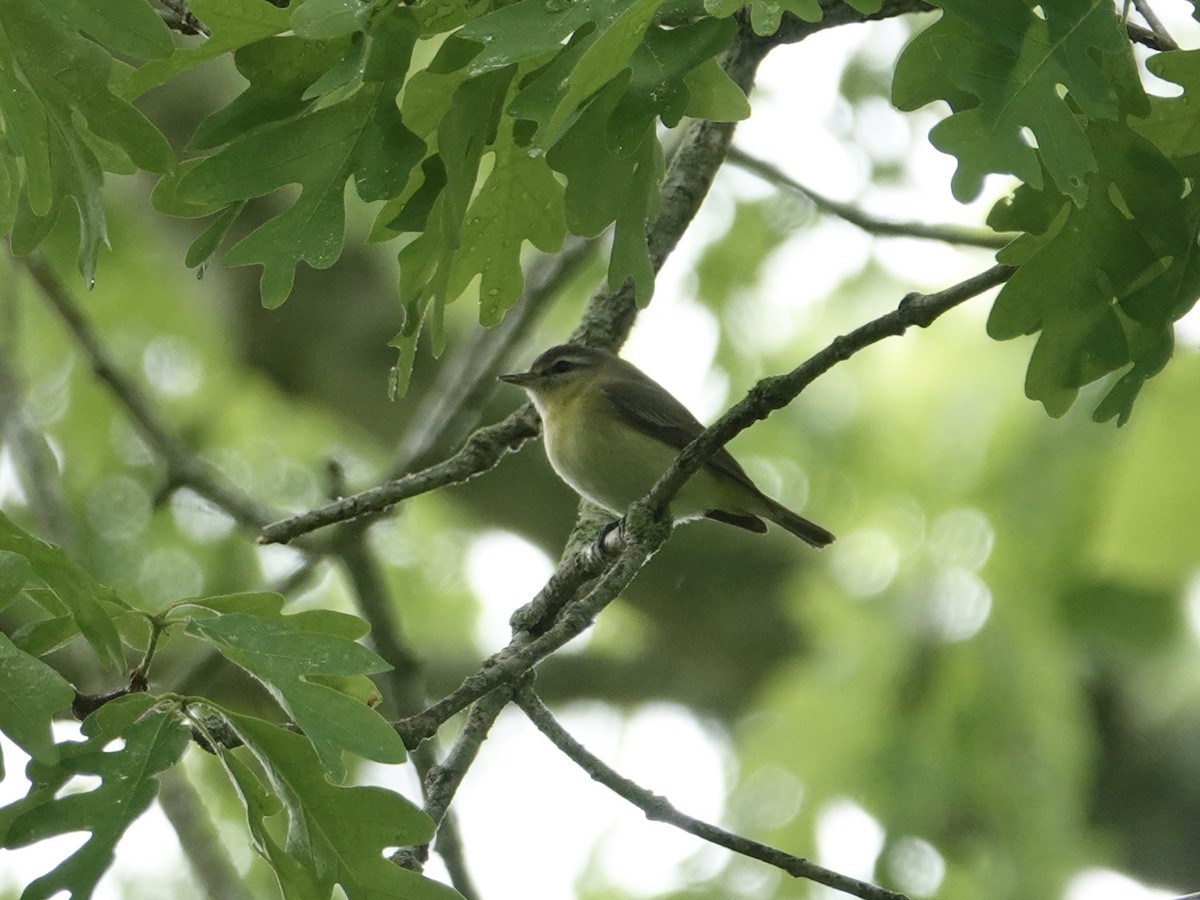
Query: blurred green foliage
[[996, 661]]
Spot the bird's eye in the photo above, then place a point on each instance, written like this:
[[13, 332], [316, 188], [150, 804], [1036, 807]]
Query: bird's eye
[[563, 365]]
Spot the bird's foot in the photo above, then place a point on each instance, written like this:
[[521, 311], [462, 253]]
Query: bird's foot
[[610, 538]]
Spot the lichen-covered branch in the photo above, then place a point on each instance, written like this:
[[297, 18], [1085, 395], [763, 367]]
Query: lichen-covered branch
[[658, 809]]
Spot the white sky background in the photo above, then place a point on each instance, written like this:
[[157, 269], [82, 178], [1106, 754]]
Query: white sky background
[[533, 824]]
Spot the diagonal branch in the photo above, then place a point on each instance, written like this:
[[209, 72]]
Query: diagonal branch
[[774, 393], [605, 323], [1157, 28], [659, 809], [183, 468], [950, 234], [610, 312], [647, 523]]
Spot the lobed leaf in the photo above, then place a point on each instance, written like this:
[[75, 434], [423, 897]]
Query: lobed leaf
[[288, 657], [233, 23], [1003, 69], [79, 593], [336, 835], [31, 693], [1103, 282], [64, 121], [361, 137], [152, 742]]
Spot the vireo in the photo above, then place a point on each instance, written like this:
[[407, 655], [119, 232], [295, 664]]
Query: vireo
[[611, 431]]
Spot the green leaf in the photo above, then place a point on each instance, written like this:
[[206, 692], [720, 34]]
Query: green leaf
[[766, 15], [40, 637], [165, 196], [204, 248], [233, 23], [361, 137], [282, 654], [320, 19], [604, 187], [520, 201], [14, 572], [58, 110], [1000, 67], [1173, 124], [599, 181], [336, 835], [323, 150], [713, 95], [609, 49], [30, 694], [279, 70], [528, 29], [129, 27], [658, 88], [267, 604], [466, 130], [296, 881], [630, 254], [153, 741], [1105, 282], [78, 591]]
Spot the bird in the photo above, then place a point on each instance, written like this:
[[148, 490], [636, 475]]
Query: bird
[[610, 431]]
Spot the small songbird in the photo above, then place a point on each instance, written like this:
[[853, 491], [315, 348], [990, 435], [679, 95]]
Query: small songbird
[[611, 431]]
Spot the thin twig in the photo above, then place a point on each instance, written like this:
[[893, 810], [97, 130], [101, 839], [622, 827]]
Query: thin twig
[[647, 526], [950, 234], [770, 394], [404, 692], [605, 323], [525, 650], [1156, 25], [1146, 37], [481, 453], [658, 809], [183, 468], [185, 20], [442, 781]]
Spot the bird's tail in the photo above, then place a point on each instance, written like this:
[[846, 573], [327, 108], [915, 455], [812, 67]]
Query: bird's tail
[[809, 532]]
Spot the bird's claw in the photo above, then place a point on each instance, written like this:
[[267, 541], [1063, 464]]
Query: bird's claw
[[609, 539]]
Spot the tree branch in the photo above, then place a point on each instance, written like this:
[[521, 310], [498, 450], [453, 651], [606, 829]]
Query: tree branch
[[442, 781], [183, 19], [773, 393], [403, 693], [183, 468], [659, 809], [526, 650], [950, 234], [1156, 26], [467, 375], [481, 453], [647, 524], [836, 13], [605, 323]]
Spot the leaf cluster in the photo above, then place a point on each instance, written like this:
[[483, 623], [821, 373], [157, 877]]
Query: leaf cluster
[[289, 783], [1108, 259], [478, 128]]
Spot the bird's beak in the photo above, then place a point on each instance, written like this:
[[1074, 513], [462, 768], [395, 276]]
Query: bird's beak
[[520, 379]]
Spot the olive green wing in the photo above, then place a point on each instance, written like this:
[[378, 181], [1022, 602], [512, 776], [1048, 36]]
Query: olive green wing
[[652, 410]]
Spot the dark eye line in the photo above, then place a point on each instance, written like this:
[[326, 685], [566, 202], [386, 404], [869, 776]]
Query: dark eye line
[[562, 365]]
